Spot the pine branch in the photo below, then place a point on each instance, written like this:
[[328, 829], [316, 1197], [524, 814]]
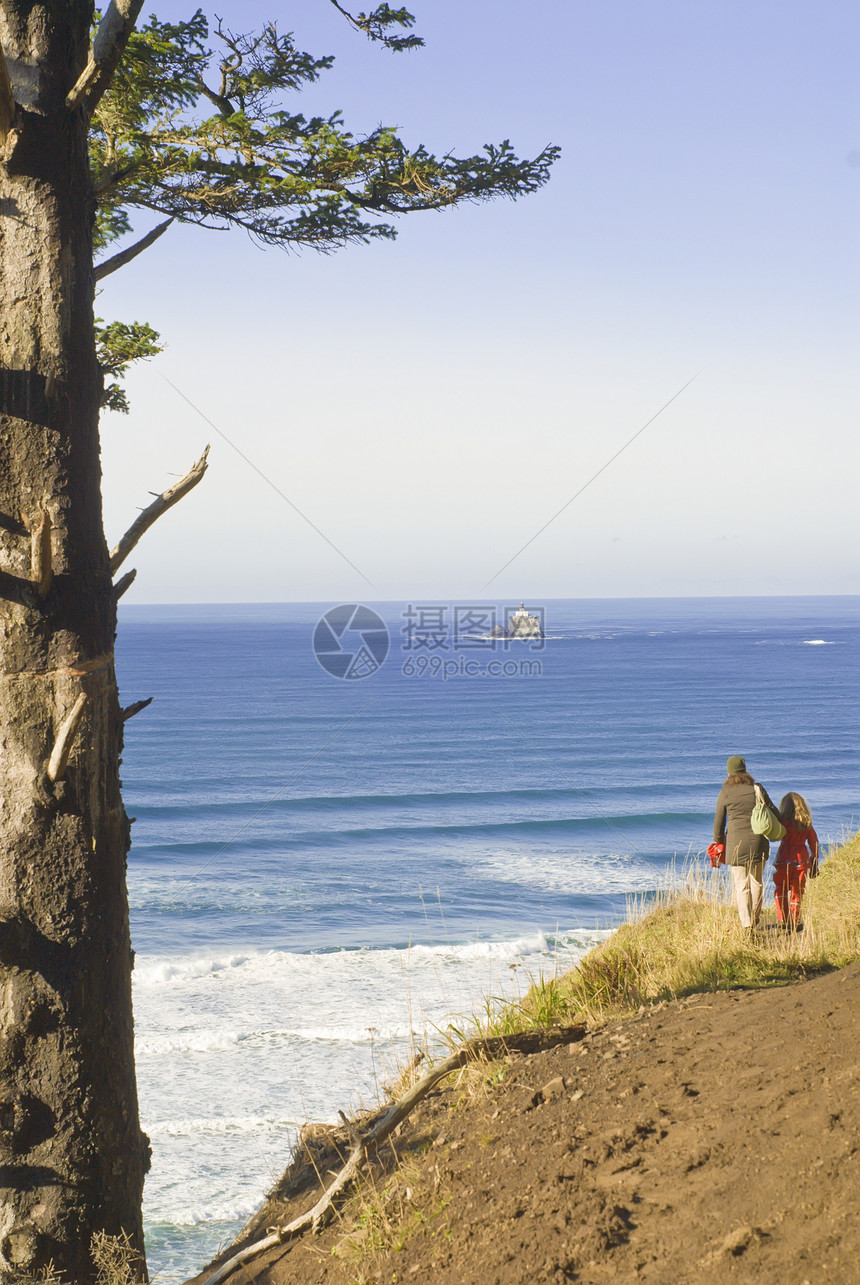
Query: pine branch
[[110, 40], [225, 107], [124, 582], [111, 179], [153, 512], [286, 179], [130, 710], [117, 261], [374, 25]]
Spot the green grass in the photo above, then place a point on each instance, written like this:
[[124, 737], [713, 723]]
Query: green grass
[[383, 1217], [690, 940]]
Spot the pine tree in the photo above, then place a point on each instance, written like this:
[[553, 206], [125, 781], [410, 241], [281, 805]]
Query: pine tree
[[98, 120]]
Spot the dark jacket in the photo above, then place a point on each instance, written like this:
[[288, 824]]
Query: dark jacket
[[732, 824]]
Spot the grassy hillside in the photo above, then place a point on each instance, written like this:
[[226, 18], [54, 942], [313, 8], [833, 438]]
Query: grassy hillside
[[477, 1172], [502, 1167], [689, 939]]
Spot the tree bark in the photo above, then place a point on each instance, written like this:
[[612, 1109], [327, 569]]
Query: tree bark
[[72, 1157]]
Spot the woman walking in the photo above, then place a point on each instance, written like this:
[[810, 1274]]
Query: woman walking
[[746, 852], [796, 858]]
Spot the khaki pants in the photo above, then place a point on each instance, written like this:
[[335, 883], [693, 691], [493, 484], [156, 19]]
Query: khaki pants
[[747, 891]]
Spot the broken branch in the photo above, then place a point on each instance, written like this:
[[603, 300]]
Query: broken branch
[[59, 759], [135, 708], [365, 1144], [7, 100], [220, 101], [110, 40], [117, 261], [124, 582], [153, 512], [41, 560]]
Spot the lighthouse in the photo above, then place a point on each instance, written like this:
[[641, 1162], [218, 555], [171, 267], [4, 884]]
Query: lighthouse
[[523, 625]]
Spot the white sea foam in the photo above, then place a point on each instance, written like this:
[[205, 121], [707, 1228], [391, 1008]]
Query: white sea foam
[[273, 965], [354, 1034], [171, 970], [793, 642], [567, 872], [194, 1041], [535, 944], [196, 1126], [218, 1211]]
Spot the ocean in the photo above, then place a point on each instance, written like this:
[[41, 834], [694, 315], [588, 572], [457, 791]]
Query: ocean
[[327, 870]]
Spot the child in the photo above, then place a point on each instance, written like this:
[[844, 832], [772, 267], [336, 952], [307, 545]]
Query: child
[[797, 856]]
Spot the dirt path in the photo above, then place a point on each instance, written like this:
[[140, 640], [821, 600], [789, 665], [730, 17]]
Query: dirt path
[[707, 1141]]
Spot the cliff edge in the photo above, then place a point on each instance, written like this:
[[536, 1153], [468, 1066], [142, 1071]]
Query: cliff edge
[[707, 1140]]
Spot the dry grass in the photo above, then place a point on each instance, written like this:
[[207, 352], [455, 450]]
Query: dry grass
[[831, 908], [684, 940], [116, 1260], [382, 1217], [688, 939]]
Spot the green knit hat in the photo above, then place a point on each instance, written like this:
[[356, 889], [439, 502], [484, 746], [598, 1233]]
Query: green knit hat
[[736, 764]]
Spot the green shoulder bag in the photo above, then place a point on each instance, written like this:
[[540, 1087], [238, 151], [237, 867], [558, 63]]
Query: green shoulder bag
[[763, 821]]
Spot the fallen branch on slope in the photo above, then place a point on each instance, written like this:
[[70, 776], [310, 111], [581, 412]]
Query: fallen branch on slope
[[365, 1144]]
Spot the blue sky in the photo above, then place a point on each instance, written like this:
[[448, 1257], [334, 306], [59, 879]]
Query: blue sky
[[430, 403]]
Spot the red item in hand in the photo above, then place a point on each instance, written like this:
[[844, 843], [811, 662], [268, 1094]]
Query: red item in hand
[[717, 853]]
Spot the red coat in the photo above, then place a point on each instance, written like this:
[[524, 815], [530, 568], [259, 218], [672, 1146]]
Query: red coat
[[799, 847]]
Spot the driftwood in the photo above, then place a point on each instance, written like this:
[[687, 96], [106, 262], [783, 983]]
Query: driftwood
[[365, 1144], [153, 512], [65, 740]]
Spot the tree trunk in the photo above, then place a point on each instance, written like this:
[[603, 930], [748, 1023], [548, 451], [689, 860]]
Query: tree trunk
[[72, 1157]]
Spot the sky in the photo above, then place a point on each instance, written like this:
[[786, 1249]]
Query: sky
[[429, 404]]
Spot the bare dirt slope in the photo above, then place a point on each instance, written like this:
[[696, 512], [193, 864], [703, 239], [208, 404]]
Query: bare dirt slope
[[707, 1141]]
